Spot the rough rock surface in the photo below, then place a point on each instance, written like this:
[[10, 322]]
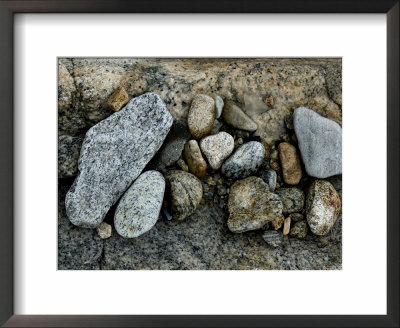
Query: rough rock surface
[[320, 143], [323, 206], [269, 176], [245, 161], [68, 154], [273, 238], [138, 210], [290, 162], [113, 154], [118, 99], [217, 148], [299, 229], [194, 159], [292, 199], [234, 116], [254, 104], [201, 116]]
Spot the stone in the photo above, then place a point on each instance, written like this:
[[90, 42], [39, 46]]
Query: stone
[[182, 165], [290, 162], [272, 238], [269, 101], [251, 206], [269, 176], [323, 206], [219, 105], [235, 117], [217, 148], [201, 116], [292, 199], [286, 226], [320, 143], [296, 217], [245, 161], [253, 104], [104, 230], [113, 154], [267, 148], [216, 127], [139, 208], [68, 154], [278, 222], [118, 99], [185, 192], [299, 230], [196, 163]]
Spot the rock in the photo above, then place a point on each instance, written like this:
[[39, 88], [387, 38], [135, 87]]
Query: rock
[[219, 105], [323, 206], [182, 165], [245, 161], [299, 230], [113, 154], [320, 143], [201, 116], [68, 155], [296, 217], [292, 199], [289, 122], [221, 190], [138, 210], [196, 163], [269, 176], [251, 206], [286, 226], [104, 230], [217, 148], [272, 238], [278, 222], [253, 104], [216, 127], [118, 99], [267, 148], [235, 117], [291, 167], [269, 101], [185, 192]]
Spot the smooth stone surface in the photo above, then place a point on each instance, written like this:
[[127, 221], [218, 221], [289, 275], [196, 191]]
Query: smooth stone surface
[[269, 176], [118, 99], [113, 154], [217, 148], [251, 206], [194, 159], [185, 192], [253, 104], [138, 210], [245, 161], [234, 116], [201, 116], [290, 162], [323, 206], [68, 154], [286, 226], [292, 199], [273, 238], [104, 230], [299, 230], [320, 143], [219, 105]]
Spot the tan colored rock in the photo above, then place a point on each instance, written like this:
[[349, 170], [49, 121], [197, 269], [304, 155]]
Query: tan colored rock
[[182, 165], [290, 161], [299, 230], [201, 116], [267, 148], [278, 222], [118, 99], [269, 101], [234, 116], [286, 226], [104, 230], [196, 163]]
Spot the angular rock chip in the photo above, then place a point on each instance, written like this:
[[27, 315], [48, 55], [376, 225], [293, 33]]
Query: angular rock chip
[[217, 148], [320, 143], [139, 208], [68, 155], [292, 199], [194, 159], [272, 238], [113, 154], [118, 99], [201, 116], [323, 206], [290, 162], [235, 117]]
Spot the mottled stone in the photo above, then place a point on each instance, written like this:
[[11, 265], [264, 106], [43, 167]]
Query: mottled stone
[[286, 226], [113, 154], [291, 166], [104, 230], [251, 205], [235, 117], [273, 238], [196, 163], [245, 161], [320, 143], [185, 192], [299, 230], [292, 199], [269, 101], [267, 148], [219, 105], [296, 217], [201, 116], [118, 99], [323, 206], [68, 154], [216, 127], [182, 165], [278, 222], [269, 176], [253, 104], [217, 148], [138, 210]]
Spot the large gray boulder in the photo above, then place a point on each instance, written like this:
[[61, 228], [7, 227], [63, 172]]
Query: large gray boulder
[[113, 154]]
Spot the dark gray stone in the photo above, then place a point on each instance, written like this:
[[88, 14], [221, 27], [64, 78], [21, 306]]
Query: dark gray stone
[[68, 155], [269, 176], [292, 199]]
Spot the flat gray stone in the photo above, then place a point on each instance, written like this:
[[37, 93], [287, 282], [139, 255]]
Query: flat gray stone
[[138, 210], [273, 238], [234, 116], [68, 155], [320, 143], [114, 153], [245, 161], [292, 199]]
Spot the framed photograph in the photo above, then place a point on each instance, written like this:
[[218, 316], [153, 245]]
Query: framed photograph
[[208, 164]]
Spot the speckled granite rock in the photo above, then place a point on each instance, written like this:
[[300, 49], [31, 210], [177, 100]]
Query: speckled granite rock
[[113, 154], [217, 148], [234, 116], [185, 192], [68, 154], [194, 159], [296, 217], [323, 207], [138, 210], [320, 143], [201, 116], [292, 199], [219, 105], [245, 161], [251, 205], [290, 162], [299, 230], [269, 176]]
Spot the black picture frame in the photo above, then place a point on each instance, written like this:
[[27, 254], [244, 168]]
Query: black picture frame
[[10, 7]]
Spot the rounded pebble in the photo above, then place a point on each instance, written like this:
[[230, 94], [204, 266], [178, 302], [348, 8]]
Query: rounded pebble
[[201, 116], [217, 148]]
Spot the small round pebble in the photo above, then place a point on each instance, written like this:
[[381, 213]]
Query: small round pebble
[[217, 148], [104, 230], [201, 116]]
